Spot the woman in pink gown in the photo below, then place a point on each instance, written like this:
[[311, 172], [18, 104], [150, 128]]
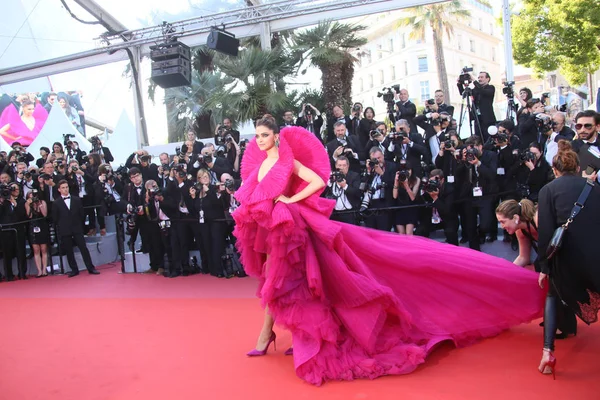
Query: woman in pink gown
[[359, 303]]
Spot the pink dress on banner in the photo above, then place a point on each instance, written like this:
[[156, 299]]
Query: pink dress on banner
[[362, 303]]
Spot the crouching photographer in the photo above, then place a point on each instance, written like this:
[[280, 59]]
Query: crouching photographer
[[210, 232], [376, 187], [441, 214], [344, 187]]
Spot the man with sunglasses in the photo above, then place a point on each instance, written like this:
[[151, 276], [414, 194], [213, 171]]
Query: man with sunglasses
[[587, 144]]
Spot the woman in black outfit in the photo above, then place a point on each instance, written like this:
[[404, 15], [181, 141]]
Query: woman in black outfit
[[573, 272], [406, 193], [366, 125], [211, 231], [39, 231], [532, 174], [94, 194]]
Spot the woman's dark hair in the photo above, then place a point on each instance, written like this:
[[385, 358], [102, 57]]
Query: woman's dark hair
[[11, 154], [536, 145], [566, 160], [268, 121], [96, 158], [367, 109], [47, 150], [59, 145], [528, 91]]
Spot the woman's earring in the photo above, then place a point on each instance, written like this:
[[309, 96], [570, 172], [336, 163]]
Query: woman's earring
[[276, 142]]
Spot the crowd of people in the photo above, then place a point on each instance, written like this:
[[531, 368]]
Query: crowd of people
[[411, 174]]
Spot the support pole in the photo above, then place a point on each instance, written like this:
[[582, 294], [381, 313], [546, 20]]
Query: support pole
[[138, 102], [265, 36], [508, 51]]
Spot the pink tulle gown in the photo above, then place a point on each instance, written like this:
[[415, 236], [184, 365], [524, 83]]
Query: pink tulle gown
[[362, 303]]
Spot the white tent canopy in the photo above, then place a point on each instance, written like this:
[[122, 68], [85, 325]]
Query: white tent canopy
[[122, 142]]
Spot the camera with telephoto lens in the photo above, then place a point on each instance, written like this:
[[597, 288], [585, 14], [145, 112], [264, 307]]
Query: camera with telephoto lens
[[448, 144], [206, 159], [356, 108], [337, 176], [399, 136], [386, 94], [35, 197], [27, 175], [308, 110], [74, 168], [526, 155], [375, 133], [373, 162], [198, 187], [154, 191], [508, 89], [465, 76], [543, 123], [66, 139], [472, 154], [430, 102], [5, 191], [433, 185], [181, 170], [499, 138], [229, 184]]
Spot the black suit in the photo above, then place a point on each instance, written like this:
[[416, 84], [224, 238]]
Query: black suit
[[351, 143], [317, 124], [388, 155], [483, 101], [105, 151], [182, 224], [407, 111], [70, 230], [444, 205], [13, 243], [412, 154], [586, 158], [383, 219], [351, 192]]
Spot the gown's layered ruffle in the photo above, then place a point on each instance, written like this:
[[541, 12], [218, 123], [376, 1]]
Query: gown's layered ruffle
[[362, 303]]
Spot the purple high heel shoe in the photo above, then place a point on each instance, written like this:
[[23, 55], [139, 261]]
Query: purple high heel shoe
[[257, 353], [289, 352]]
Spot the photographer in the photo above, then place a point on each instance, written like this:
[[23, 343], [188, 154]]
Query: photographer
[[440, 99], [216, 165], [405, 109], [310, 119], [39, 230], [344, 187], [477, 173], [134, 196], [94, 195], [525, 95], [442, 213], [182, 220], [221, 131], [406, 193], [211, 230], [435, 131], [531, 172], [288, 119], [528, 130], [338, 116], [164, 169], [12, 211], [110, 191], [483, 100], [44, 155], [355, 118], [446, 160], [141, 160], [506, 127], [22, 154], [197, 144], [408, 145], [103, 152], [378, 138], [366, 125], [58, 152], [19, 176], [343, 145], [377, 191], [157, 233]]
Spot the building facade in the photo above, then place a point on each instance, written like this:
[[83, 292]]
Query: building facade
[[391, 57]]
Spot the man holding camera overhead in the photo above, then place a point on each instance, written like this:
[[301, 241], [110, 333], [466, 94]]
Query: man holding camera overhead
[[102, 151], [142, 161], [310, 119]]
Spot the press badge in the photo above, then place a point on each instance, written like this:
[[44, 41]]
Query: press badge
[[36, 229], [201, 220], [477, 192], [450, 179], [500, 171]]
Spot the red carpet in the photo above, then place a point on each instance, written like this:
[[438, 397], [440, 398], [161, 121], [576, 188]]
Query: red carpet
[[130, 337]]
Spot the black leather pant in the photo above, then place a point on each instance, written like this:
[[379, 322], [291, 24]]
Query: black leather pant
[[557, 316]]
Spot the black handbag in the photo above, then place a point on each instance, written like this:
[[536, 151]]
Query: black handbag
[[559, 234]]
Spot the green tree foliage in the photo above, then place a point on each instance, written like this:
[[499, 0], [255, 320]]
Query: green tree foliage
[[561, 35]]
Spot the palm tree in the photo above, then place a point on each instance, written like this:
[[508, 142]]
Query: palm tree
[[439, 17], [328, 47]]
